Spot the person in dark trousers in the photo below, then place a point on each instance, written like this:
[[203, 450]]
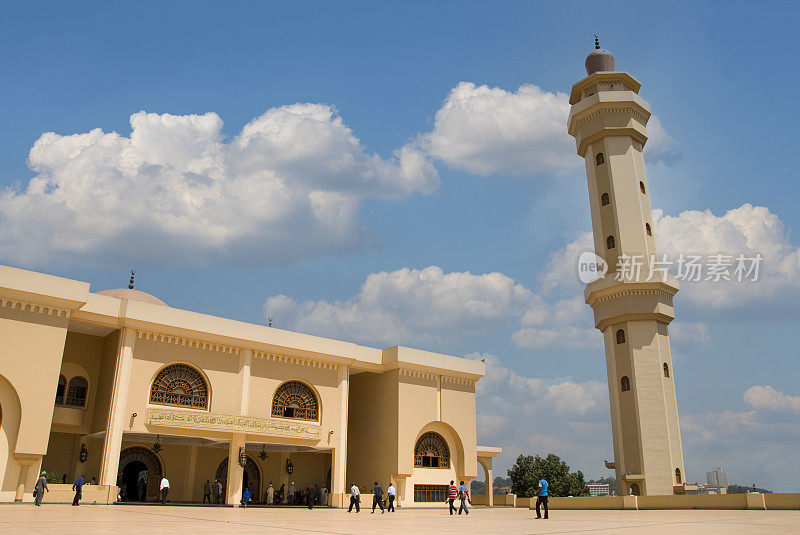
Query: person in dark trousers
[[377, 497], [38, 490], [355, 499], [452, 494], [392, 494], [463, 493], [164, 488], [207, 491], [77, 487], [246, 496], [542, 498], [310, 496]]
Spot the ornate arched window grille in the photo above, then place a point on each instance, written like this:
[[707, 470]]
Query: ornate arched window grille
[[61, 390], [296, 400], [431, 451], [179, 385], [76, 392]]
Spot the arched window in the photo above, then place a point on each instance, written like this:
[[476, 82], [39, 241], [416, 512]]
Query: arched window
[[625, 383], [61, 390], [666, 370], [610, 244], [641, 187], [604, 199], [678, 479], [294, 399], [635, 489], [648, 229], [599, 159], [620, 336], [431, 451], [180, 385], [76, 392]]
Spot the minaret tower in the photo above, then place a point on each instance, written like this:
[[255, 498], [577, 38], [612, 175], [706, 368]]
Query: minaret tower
[[608, 120]]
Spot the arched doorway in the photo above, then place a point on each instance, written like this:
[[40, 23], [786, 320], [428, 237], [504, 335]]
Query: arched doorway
[[251, 478], [140, 474]]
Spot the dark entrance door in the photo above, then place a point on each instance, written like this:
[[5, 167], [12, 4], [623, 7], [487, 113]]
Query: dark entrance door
[[134, 481]]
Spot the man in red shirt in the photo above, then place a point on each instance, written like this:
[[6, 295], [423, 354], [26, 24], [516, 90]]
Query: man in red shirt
[[452, 494]]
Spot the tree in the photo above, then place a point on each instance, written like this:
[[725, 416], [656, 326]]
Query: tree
[[528, 470]]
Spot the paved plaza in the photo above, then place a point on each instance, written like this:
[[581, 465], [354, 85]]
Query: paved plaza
[[177, 520]]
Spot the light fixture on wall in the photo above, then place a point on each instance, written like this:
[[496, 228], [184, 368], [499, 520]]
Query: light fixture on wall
[[263, 453], [157, 445], [242, 457], [83, 454], [289, 466]]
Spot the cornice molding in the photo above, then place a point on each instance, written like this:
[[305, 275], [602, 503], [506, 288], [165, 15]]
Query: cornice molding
[[300, 361], [27, 306], [184, 341], [416, 374], [633, 291]]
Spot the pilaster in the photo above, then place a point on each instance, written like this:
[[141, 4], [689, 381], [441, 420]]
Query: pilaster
[[116, 414]]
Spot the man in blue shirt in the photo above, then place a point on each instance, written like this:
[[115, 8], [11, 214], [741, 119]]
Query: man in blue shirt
[[463, 493], [246, 496], [542, 498], [77, 487]]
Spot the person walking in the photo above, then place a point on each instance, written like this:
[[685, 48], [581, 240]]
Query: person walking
[[355, 499], [392, 494], [452, 494], [463, 493], [310, 496], [39, 488], [542, 498], [323, 495], [77, 487], [164, 488], [377, 497], [246, 496], [270, 493], [292, 493], [207, 491]]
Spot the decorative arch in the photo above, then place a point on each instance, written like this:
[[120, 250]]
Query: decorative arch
[[296, 400], [180, 385], [150, 460], [451, 438], [77, 391], [10, 422], [431, 451], [625, 383], [252, 475]]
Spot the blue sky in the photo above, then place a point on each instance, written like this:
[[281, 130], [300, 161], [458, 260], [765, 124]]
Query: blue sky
[[272, 219]]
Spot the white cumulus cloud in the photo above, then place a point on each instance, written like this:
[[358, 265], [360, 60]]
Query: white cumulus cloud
[[767, 397], [288, 186]]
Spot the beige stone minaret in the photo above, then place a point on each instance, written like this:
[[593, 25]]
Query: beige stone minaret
[[608, 120]]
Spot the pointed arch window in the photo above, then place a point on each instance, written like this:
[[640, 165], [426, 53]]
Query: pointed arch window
[[625, 383], [610, 243], [648, 229], [641, 187], [599, 159], [77, 389], [431, 451], [180, 385], [620, 336], [295, 400], [666, 370], [61, 390], [604, 200]]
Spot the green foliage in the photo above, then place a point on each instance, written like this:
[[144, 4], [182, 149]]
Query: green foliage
[[612, 481], [53, 478], [528, 470], [477, 487], [739, 489]]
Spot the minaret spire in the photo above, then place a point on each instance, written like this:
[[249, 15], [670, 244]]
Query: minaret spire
[[596, 42], [130, 284]]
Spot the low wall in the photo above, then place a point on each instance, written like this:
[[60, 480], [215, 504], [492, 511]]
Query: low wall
[[685, 501], [525, 502], [479, 499], [92, 494], [505, 499]]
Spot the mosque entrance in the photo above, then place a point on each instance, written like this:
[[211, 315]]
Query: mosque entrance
[[140, 474], [250, 480]]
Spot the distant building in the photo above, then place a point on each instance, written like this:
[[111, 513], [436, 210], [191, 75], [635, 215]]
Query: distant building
[[717, 478], [597, 489]]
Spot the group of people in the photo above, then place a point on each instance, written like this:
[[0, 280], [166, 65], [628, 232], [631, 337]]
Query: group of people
[[212, 492], [308, 496], [378, 499], [41, 486]]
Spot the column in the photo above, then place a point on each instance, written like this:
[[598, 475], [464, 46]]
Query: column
[[233, 496], [188, 477], [338, 483], [112, 443]]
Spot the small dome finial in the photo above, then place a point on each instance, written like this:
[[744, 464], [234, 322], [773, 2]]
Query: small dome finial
[[599, 60], [130, 284], [596, 42]]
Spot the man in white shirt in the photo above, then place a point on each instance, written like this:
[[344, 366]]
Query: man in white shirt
[[355, 499], [164, 487], [392, 494]]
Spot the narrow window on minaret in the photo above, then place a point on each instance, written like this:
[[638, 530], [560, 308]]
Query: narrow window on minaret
[[648, 229], [641, 187], [666, 370], [678, 476], [604, 199], [625, 383], [599, 159], [610, 242], [620, 336]]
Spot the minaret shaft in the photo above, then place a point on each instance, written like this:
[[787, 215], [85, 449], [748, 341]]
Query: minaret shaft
[[608, 120]]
